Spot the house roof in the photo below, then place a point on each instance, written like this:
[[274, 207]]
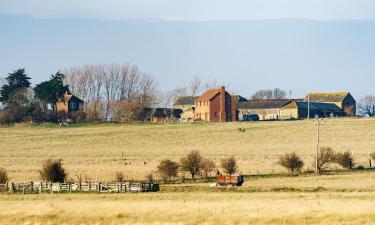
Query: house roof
[[208, 95], [185, 100], [327, 97], [68, 97], [239, 98], [319, 106], [263, 104]]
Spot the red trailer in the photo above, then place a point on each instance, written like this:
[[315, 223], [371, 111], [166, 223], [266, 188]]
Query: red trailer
[[229, 180]]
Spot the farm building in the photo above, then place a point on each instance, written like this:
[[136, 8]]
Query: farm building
[[299, 110], [187, 114], [268, 109], [70, 104], [215, 105], [344, 100], [184, 102], [161, 115]]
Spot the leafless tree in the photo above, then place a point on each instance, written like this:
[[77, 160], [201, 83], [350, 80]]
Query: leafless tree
[[111, 81], [367, 105], [325, 157], [195, 86], [167, 169], [192, 163], [207, 166], [269, 94], [229, 165]]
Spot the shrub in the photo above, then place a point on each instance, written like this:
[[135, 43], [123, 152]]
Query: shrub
[[207, 166], [3, 176], [150, 177], [192, 163], [120, 177], [291, 161], [229, 165], [345, 160], [53, 171], [326, 155], [167, 169]]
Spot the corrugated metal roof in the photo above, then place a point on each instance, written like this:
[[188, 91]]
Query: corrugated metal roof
[[327, 97], [318, 106], [263, 104], [185, 100]]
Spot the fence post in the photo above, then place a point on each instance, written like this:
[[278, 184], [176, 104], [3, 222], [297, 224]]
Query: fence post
[[40, 187], [50, 185], [12, 188]]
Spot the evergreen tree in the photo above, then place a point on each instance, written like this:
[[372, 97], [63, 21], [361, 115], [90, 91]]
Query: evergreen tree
[[16, 83]]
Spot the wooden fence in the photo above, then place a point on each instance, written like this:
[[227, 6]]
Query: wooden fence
[[99, 187]]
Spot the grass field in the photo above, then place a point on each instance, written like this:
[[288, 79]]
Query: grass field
[[94, 151], [346, 199]]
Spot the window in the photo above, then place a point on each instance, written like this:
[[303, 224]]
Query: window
[[72, 105]]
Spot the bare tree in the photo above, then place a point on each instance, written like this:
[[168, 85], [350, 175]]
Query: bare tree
[[229, 165], [195, 86], [167, 169], [367, 105], [111, 81], [269, 94], [291, 161], [192, 163], [326, 155], [207, 166]]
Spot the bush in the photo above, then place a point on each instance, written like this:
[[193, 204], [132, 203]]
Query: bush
[[192, 163], [167, 169], [120, 177], [53, 171], [291, 161], [207, 166], [229, 165], [150, 177], [345, 160], [325, 157], [3, 176]]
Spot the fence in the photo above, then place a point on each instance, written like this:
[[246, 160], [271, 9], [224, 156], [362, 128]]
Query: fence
[[99, 187]]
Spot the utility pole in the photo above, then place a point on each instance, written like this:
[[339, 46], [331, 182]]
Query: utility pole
[[317, 123], [308, 105]]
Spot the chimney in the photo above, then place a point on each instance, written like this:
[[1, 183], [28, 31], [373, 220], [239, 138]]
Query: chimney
[[222, 105]]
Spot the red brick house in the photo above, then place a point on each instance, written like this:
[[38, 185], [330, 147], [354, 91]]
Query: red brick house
[[215, 105]]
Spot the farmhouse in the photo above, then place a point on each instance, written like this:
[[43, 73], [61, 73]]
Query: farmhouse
[[268, 109], [215, 105], [70, 104], [299, 110], [161, 115], [344, 100], [187, 114]]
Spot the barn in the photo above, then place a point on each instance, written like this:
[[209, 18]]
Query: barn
[[344, 100], [266, 109], [299, 110]]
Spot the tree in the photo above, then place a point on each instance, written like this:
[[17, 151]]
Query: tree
[[53, 171], [326, 155], [192, 163], [120, 177], [167, 169], [51, 91], [207, 166], [291, 161], [195, 86], [229, 165], [16, 82], [276, 93], [3, 176], [345, 160], [367, 105]]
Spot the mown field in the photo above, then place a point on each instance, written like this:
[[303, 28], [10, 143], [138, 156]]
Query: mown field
[[99, 151]]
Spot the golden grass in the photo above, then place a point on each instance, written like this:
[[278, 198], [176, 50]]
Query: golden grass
[[190, 208], [94, 151]]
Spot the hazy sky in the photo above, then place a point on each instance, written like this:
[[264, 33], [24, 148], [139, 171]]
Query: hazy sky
[[196, 10], [298, 45]]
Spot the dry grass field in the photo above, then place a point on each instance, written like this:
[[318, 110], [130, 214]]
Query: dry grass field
[[343, 202], [94, 151]]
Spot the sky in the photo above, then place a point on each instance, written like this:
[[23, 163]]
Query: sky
[[297, 45]]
